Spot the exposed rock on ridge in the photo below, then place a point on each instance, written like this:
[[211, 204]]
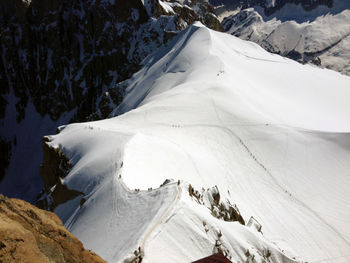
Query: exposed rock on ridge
[[54, 168], [221, 209]]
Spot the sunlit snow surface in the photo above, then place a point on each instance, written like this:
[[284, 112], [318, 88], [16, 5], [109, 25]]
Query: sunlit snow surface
[[212, 109]]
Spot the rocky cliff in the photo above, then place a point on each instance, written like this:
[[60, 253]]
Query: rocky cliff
[[64, 54], [29, 234]]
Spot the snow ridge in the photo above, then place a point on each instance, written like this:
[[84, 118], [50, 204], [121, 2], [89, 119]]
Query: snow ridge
[[211, 110]]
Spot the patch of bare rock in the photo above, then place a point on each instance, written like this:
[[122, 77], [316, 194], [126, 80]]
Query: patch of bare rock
[[30, 234]]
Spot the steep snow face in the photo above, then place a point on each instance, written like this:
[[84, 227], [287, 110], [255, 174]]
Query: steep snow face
[[324, 41], [271, 85], [211, 109]]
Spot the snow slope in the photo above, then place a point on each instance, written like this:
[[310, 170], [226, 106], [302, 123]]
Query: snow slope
[[211, 109], [327, 37]]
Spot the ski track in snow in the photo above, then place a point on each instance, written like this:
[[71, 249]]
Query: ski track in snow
[[275, 180], [163, 218], [283, 190]]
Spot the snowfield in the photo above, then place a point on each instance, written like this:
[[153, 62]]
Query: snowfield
[[213, 110]]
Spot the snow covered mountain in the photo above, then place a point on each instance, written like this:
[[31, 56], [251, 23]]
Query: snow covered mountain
[[60, 58], [246, 133], [318, 34], [298, 10]]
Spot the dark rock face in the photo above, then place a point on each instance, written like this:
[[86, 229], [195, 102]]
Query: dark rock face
[[64, 54], [63, 58], [55, 167], [241, 21], [29, 234], [200, 11], [5, 149]]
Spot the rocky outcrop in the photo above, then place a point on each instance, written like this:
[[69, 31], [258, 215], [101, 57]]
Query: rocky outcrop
[[221, 209], [196, 10], [29, 234], [54, 168], [55, 165]]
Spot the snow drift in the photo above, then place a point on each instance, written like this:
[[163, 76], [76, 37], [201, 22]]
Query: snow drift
[[213, 110]]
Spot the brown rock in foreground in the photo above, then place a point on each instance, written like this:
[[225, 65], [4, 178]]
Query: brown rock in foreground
[[29, 234]]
